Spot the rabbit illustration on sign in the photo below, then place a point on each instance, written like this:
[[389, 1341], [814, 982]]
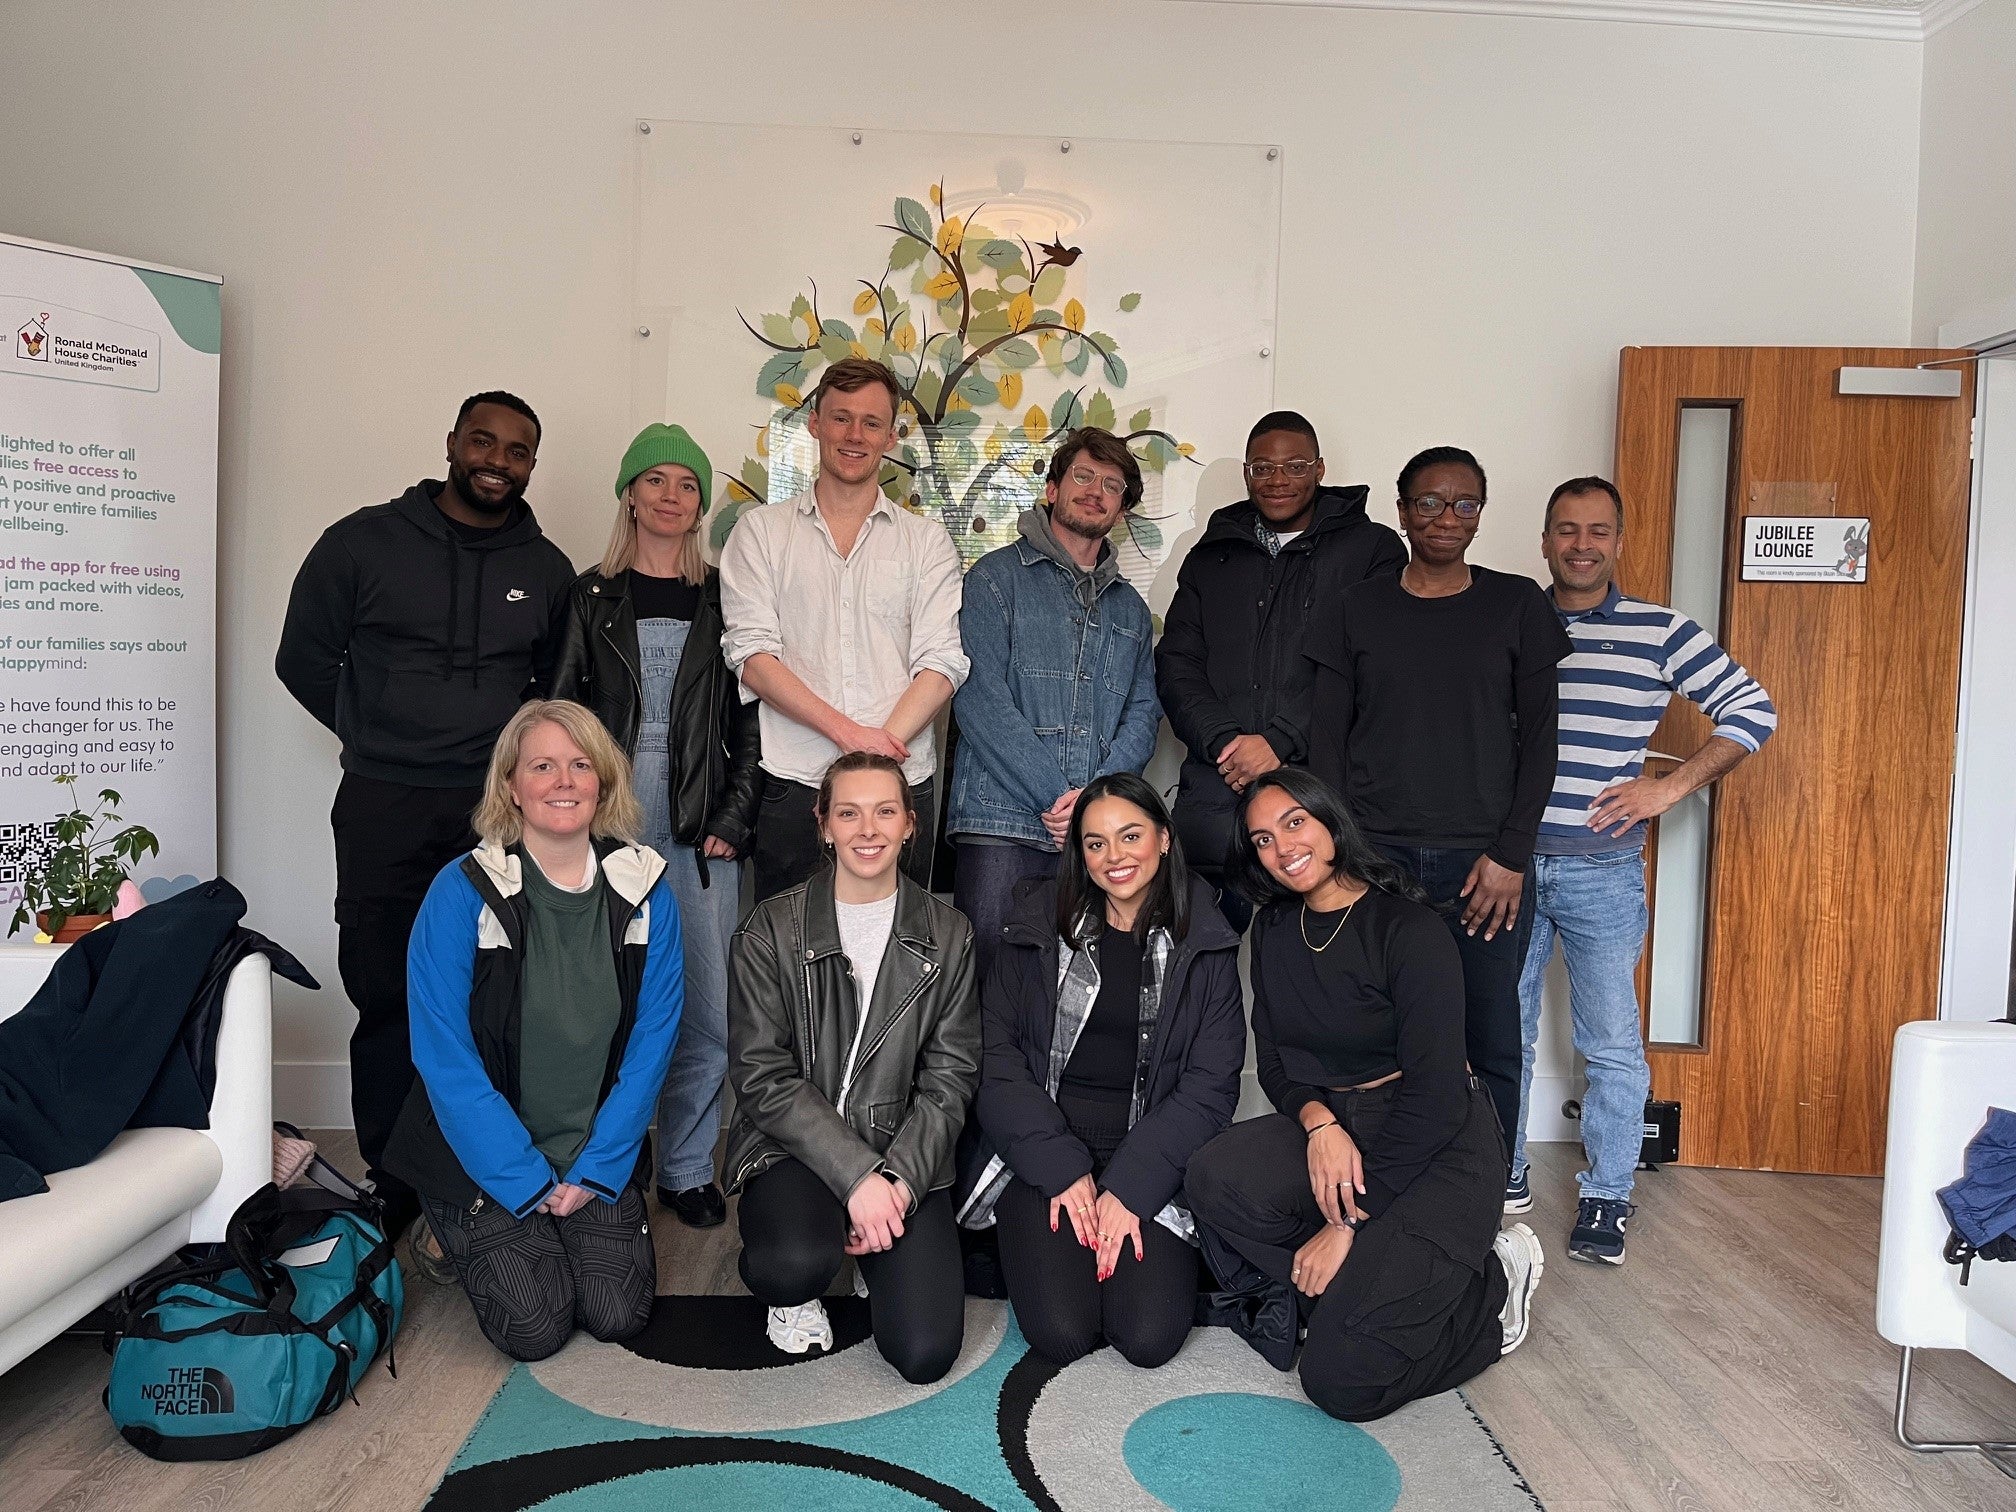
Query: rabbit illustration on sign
[[1854, 547]]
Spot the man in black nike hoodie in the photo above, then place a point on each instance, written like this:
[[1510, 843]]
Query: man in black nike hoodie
[[414, 631], [1230, 668]]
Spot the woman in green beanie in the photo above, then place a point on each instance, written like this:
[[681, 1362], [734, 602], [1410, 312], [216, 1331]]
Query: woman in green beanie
[[642, 648]]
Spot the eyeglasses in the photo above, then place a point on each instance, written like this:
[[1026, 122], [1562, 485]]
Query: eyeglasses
[[1427, 507], [1084, 477], [1262, 472]]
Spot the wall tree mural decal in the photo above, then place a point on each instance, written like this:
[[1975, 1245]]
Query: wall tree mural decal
[[975, 327]]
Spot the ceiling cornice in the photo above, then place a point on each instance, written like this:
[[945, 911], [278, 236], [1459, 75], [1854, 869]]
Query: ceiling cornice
[[1883, 22]]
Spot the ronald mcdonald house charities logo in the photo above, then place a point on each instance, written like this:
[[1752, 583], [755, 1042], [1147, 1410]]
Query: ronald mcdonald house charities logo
[[78, 346], [191, 1391]]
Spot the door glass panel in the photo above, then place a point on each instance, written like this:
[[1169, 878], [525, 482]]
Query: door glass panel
[[1680, 884]]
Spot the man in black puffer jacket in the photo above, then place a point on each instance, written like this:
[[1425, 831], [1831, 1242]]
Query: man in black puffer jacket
[[1230, 668], [414, 631]]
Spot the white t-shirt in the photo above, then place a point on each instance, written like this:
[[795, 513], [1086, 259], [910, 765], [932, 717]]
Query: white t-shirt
[[864, 936]]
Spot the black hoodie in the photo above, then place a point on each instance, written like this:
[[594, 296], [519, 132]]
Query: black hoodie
[[415, 643], [1230, 661]]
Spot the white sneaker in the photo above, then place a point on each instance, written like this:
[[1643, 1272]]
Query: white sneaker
[[1518, 1250], [797, 1329]]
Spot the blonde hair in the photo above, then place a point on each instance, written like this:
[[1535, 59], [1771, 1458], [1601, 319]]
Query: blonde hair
[[621, 553], [618, 815]]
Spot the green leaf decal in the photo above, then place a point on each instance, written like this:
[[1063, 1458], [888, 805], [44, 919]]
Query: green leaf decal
[[976, 390], [1145, 533], [1015, 354], [914, 218], [1140, 420], [1067, 413], [1049, 284], [1129, 303], [906, 252], [783, 367], [1001, 256], [1100, 411], [778, 328]]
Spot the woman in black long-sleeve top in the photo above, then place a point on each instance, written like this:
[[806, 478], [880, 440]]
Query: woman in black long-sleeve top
[[1112, 1034], [1371, 1198]]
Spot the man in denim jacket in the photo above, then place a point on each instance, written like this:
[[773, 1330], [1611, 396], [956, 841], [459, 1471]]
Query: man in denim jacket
[[1062, 687]]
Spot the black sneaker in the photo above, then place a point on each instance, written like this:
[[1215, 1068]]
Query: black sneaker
[[696, 1207], [1519, 1193], [1598, 1235]]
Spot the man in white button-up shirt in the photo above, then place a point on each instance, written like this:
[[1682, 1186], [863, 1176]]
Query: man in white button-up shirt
[[841, 615]]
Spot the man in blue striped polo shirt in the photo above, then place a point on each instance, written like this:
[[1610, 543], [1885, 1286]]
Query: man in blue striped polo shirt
[[1630, 658]]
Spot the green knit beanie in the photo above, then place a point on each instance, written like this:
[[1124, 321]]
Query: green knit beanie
[[658, 444]]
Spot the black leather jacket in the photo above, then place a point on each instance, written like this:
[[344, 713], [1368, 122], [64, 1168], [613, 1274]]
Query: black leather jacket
[[791, 1018], [716, 782]]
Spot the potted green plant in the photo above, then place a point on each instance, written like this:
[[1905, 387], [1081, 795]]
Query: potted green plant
[[70, 891]]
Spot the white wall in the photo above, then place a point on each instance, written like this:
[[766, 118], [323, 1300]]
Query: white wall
[[411, 203], [1967, 172]]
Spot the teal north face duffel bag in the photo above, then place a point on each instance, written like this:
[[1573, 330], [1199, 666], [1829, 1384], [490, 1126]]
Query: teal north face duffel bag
[[223, 1357]]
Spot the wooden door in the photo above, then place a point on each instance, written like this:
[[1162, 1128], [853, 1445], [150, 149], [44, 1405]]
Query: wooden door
[[1826, 866]]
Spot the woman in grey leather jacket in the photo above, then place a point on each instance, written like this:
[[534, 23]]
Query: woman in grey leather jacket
[[854, 1049]]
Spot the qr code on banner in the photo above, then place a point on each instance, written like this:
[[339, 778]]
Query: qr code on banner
[[23, 846]]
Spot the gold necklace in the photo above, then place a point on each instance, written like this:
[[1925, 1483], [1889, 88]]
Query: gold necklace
[[1346, 919]]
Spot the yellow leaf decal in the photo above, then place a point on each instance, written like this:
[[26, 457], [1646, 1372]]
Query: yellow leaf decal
[[937, 195], [763, 442], [811, 324], [1011, 390], [1035, 424], [1074, 315], [992, 450], [855, 349], [741, 488], [788, 395], [906, 336], [951, 235], [1186, 448], [956, 402], [865, 301], [873, 328], [943, 286], [1021, 313], [1047, 338]]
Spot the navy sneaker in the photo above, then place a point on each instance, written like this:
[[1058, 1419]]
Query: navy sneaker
[[1598, 1235], [1519, 1193]]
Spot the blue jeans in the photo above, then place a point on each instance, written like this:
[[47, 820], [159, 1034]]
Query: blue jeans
[[983, 889], [1491, 1018], [689, 1108], [1595, 905]]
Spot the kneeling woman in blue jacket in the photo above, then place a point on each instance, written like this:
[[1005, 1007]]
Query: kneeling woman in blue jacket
[[543, 984], [1113, 1035]]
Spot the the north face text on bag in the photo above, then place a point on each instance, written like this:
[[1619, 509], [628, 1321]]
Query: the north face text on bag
[[190, 1389]]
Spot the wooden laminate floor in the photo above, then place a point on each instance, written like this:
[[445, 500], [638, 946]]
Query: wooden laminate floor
[[1732, 1363]]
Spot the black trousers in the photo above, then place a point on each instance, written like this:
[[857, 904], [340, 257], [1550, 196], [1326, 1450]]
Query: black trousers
[[1414, 1308], [787, 836], [1144, 1309], [534, 1280], [390, 841], [793, 1235], [1492, 1037]]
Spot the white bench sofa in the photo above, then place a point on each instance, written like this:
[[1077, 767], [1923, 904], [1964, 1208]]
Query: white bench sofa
[[103, 1225], [1944, 1077]]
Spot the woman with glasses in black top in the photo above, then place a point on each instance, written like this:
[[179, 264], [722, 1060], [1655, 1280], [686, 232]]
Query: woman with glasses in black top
[[1370, 1200]]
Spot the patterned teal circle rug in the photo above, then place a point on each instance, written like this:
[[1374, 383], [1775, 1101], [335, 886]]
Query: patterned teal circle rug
[[699, 1412]]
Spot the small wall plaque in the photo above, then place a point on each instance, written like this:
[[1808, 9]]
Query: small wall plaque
[[1805, 549]]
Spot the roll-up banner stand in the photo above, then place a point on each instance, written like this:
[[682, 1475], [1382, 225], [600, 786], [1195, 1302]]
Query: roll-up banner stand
[[108, 553]]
